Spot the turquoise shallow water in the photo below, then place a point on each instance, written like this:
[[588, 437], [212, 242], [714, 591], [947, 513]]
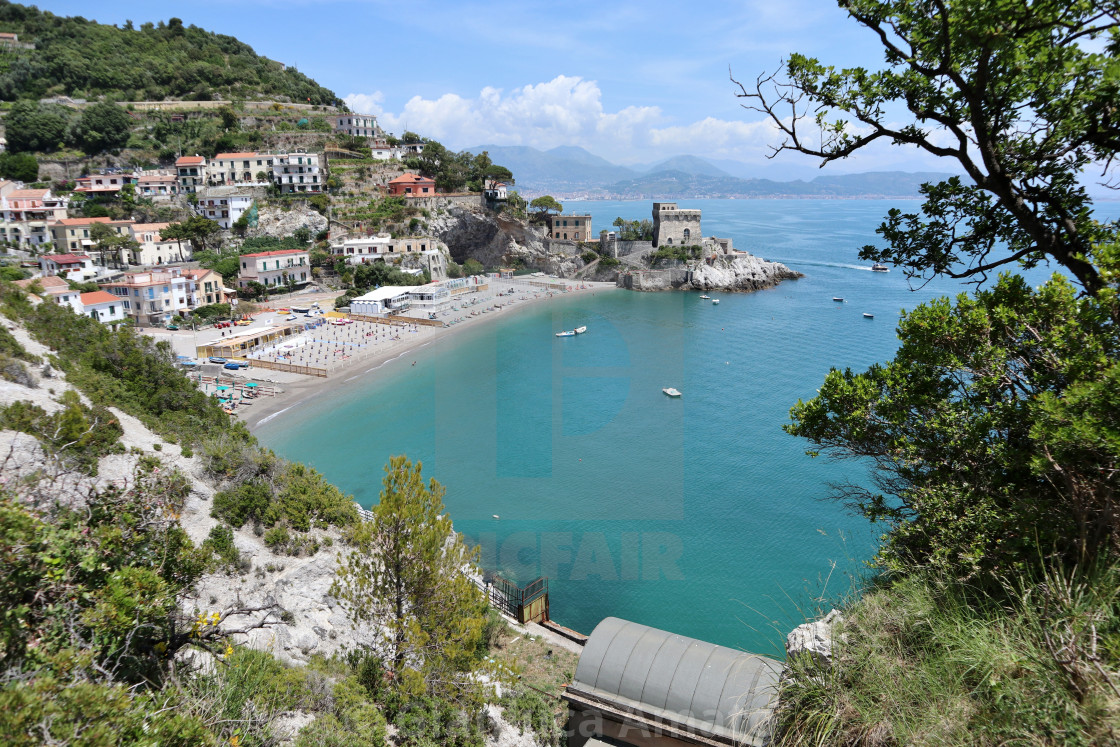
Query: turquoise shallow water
[[697, 515]]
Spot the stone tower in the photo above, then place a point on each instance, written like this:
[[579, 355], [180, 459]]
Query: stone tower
[[673, 226]]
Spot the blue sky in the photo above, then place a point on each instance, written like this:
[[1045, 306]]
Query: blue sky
[[633, 82]]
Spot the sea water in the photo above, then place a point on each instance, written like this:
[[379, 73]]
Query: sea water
[[561, 457]]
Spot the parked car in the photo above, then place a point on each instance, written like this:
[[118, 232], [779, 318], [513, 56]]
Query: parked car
[[173, 327]]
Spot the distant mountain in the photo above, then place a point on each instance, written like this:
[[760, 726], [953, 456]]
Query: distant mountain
[[570, 172], [689, 165]]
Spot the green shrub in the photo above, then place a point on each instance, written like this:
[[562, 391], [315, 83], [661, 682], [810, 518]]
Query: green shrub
[[77, 434], [526, 709], [608, 262], [220, 542], [589, 256], [244, 502]]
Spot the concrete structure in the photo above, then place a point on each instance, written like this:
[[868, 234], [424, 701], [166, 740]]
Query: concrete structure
[[384, 300], [55, 290], [673, 226], [157, 185], [357, 125], [104, 307], [381, 246], [430, 298], [191, 171], [570, 227], [73, 234], [240, 169], [270, 269], [75, 267], [409, 185], [105, 182], [152, 298], [223, 205], [153, 249], [637, 685], [297, 172], [27, 214], [209, 286]]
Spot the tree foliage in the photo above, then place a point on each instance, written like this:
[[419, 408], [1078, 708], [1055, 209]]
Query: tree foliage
[[406, 579], [546, 204], [993, 431], [1015, 93], [85, 59], [103, 126]]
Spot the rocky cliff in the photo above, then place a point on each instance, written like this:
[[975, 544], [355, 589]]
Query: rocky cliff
[[499, 241], [724, 272]]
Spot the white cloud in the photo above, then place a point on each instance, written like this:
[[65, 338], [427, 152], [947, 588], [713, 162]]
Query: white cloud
[[568, 110]]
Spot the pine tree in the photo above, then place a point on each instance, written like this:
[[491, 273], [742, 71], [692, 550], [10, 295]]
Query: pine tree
[[405, 579]]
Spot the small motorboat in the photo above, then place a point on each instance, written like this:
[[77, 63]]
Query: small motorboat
[[705, 296], [868, 316], [838, 299], [879, 268], [580, 330], [217, 359], [671, 392], [566, 333], [715, 301]]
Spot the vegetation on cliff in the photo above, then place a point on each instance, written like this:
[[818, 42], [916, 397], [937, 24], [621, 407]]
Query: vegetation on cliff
[[84, 59], [993, 433]]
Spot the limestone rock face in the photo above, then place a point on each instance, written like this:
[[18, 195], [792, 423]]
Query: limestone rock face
[[497, 241], [283, 223], [738, 272], [814, 639]]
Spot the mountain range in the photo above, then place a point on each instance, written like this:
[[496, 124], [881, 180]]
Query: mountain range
[[570, 172]]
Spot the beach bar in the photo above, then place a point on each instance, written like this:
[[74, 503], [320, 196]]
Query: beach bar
[[638, 685], [388, 299], [242, 345]]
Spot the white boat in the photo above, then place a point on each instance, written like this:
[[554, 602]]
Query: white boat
[[671, 392], [868, 316], [567, 333], [838, 299], [715, 301], [879, 268], [580, 330], [704, 296]]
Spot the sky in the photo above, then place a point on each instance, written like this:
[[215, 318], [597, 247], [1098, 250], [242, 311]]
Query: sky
[[632, 82]]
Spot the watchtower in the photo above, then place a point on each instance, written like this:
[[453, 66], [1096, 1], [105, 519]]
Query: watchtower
[[671, 225]]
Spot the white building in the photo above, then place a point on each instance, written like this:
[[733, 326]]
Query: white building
[[223, 206], [156, 185], [191, 171], [382, 246], [297, 172], [430, 298], [55, 290], [271, 269], [356, 125], [75, 267], [103, 307], [26, 214], [384, 300], [154, 297], [154, 249]]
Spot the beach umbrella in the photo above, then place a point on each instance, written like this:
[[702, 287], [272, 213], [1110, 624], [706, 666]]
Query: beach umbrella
[[251, 384]]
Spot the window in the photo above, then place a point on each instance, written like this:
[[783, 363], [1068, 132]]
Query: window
[[687, 234]]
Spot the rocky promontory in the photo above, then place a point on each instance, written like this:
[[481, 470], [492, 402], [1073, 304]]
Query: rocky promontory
[[739, 271]]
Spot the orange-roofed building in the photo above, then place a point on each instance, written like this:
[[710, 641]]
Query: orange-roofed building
[[272, 269], [152, 298], [153, 249], [412, 185], [73, 234], [209, 286], [75, 267], [240, 169], [104, 307], [191, 171], [54, 289]]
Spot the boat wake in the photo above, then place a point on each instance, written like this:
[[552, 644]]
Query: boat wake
[[865, 268]]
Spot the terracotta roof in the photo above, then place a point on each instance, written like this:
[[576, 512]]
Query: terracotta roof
[[66, 259], [190, 161], [36, 194], [228, 156], [51, 284], [8, 35], [89, 299], [276, 253], [141, 227], [197, 273], [412, 178], [157, 178], [85, 221]]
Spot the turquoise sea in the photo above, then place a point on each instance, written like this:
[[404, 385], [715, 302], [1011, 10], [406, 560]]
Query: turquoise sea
[[696, 515]]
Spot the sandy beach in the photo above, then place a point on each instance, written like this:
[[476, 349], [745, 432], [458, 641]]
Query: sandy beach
[[369, 350]]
